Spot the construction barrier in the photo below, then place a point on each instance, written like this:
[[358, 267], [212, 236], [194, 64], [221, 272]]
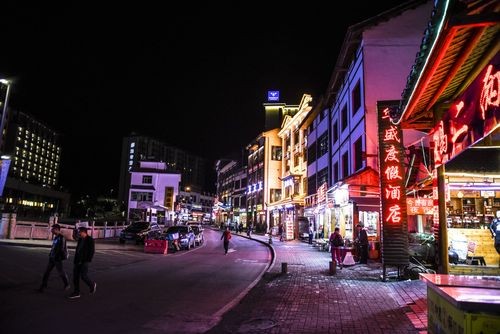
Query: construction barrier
[[156, 246]]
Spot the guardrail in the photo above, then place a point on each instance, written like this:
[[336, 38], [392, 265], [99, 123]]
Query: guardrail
[[11, 228]]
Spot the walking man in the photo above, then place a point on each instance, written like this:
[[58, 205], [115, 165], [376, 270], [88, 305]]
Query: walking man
[[311, 233], [226, 235], [56, 257], [83, 256]]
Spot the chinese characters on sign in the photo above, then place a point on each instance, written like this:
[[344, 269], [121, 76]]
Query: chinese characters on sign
[[392, 171], [420, 206], [471, 117], [393, 194]]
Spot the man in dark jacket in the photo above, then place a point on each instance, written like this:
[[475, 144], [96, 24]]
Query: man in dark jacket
[[83, 256], [362, 239], [56, 256]]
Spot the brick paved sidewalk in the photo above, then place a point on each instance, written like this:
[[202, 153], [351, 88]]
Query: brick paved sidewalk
[[307, 299]]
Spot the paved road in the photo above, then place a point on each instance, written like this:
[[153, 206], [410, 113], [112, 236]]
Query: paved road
[[185, 292]]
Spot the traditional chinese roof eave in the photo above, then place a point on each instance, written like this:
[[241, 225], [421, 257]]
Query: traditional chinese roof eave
[[467, 37]]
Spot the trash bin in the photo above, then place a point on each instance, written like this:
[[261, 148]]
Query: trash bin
[[373, 249]]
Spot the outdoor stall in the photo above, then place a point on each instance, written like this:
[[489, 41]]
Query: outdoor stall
[[462, 304]]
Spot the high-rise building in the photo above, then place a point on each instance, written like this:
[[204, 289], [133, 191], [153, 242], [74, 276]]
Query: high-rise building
[[137, 148], [35, 154]]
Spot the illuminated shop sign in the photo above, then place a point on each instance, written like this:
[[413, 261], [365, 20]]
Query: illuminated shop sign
[[420, 206], [322, 193], [393, 198], [472, 116], [273, 95]]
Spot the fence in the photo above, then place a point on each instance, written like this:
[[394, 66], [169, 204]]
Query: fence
[[11, 228]]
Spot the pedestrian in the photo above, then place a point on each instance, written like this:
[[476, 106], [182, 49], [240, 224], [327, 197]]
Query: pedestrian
[[83, 256], [249, 231], [362, 241], [56, 257], [280, 231], [311, 233], [336, 242], [226, 235], [495, 231]]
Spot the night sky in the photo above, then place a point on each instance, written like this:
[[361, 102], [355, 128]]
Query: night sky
[[195, 77]]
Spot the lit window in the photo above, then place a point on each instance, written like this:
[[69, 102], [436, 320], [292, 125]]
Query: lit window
[[132, 145], [131, 151], [130, 163]]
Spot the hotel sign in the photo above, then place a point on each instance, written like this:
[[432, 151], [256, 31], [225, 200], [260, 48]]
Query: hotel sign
[[273, 95], [394, 223]]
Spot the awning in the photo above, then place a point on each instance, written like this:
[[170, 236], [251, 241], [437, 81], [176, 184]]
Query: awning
[[366, 203]]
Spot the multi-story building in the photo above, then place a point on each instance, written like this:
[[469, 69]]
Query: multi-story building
[[153, 190], [286, 203], [318, 166], [231, 192], [34, 150], [264, 171], [191, 205], [372, 66], [136, 148]]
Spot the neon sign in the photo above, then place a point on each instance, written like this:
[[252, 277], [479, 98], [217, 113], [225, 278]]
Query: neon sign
[[472, 116], [393, 196]]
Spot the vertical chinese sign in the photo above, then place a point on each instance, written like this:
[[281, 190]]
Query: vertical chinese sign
[[394, 224]]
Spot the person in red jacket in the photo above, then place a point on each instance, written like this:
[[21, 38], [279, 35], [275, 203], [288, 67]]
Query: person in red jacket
[[226, 235], [336, 241]]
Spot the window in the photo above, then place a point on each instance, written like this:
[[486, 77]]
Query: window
[[356, 98], [343, 117], [275, 195], [358, 154], [322, 176], [323, 144], [276, 153], [335, 172], [142, 196], [296, 160], [147, 179], [335, 132], [345, 165], [311, 153], [296, 137], [311, 188]]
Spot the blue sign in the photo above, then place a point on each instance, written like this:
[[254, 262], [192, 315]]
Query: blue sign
[[273, 95]]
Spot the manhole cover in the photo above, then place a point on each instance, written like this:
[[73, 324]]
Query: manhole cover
[[256, 325]]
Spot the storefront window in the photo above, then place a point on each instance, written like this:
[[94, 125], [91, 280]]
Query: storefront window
[[370, 220]]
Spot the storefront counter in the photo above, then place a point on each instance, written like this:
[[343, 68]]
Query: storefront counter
[[462, 304]]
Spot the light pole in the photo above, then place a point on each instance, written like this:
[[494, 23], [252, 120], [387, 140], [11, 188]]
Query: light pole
[[4, 111]]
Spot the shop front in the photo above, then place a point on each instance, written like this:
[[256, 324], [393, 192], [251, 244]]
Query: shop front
[[287, 212]]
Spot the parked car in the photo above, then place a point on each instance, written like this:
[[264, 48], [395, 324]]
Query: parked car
[[186, 235], [198, 234], [138, 231]]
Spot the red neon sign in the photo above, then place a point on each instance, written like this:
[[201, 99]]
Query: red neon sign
[[391, 170], [474, 115]]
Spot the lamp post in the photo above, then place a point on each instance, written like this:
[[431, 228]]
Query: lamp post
[[4, 111]]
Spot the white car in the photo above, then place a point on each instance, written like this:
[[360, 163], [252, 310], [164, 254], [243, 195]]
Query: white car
[[198, 234]]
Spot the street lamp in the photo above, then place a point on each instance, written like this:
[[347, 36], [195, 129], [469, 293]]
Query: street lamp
[[4, 111]]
